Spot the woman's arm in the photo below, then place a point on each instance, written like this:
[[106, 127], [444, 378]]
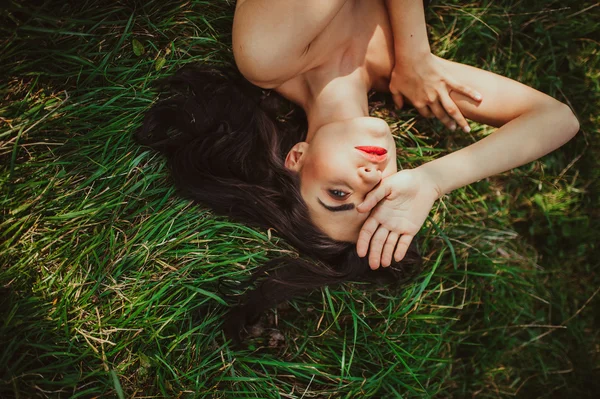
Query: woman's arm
[[270, 37], [417, 75], [531, 125], [407, 18]]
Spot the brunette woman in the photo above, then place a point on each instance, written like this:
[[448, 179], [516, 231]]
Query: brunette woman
[[326, 178]]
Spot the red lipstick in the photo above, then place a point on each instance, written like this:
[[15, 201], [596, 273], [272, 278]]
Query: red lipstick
[[373, 154]]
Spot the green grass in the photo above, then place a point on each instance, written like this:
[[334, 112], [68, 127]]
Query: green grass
[[109, 280]]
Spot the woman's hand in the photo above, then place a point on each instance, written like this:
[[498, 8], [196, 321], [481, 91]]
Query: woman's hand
[[400, 204], [423, 80]]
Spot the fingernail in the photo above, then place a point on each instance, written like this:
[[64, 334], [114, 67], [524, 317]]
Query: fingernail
[[478, 96], [453, 126], [467, 129]]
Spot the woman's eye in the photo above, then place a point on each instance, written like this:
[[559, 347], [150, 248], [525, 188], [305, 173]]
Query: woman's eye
[[338, 194]]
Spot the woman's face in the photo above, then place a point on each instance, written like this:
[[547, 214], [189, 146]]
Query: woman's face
[[342, 163]]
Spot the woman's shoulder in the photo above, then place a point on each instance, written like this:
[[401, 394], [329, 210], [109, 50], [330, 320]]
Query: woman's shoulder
[[275, 41]]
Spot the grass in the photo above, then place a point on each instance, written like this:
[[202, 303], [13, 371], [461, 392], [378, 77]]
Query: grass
[[109, 280]]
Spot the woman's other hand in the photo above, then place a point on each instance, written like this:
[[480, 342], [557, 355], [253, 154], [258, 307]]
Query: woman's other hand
[[400, 204], [422, 79]]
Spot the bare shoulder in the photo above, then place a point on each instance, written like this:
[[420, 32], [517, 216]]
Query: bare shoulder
[[275, 41]]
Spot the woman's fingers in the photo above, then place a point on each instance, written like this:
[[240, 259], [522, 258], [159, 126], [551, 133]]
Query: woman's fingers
[[426, 112], [451, 107], [373, 198], [453, 111], [402, 247], [377, 243], [441, 114], [398, 100], [462, 89], [364, 237], [388, 249]]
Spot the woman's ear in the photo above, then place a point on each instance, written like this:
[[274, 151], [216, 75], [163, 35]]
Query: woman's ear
[[295, 158]]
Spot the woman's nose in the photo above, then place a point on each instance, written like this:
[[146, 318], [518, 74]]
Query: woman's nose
[[370, 174]]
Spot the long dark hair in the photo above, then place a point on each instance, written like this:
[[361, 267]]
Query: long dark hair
[[226, 140]]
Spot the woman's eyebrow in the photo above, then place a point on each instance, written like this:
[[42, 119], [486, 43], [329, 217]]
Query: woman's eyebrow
[[340, 208]]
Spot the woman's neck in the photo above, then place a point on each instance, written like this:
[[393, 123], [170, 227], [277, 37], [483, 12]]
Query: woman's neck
[[342, 98]]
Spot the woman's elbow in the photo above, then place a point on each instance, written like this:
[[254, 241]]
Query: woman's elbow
[[574, 122], [563, 118], [570, 120]]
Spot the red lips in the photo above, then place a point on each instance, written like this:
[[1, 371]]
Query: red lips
[[373, 154]]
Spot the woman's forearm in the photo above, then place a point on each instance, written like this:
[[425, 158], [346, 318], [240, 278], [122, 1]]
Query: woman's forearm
[[407, 18], [522, 140]]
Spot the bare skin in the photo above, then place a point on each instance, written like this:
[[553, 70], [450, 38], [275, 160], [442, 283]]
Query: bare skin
[[329, 75], [326, 56]]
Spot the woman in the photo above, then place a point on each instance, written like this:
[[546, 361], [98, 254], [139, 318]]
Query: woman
[[332, 181]]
